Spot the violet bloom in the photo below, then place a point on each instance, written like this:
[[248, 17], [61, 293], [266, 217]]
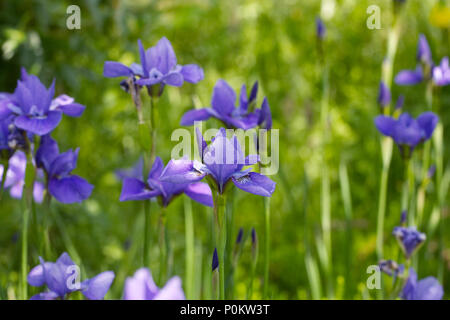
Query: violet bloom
[[391, 268], [384, 95], [15, 178], [409, 239], [64, 186], [133, 172], [223, 162], [35, 109], [135, 189], [441, 73], [425, 60], [62, 278], [406, 131], [158, 66], [428, 288], [142, 287], [223, 108]]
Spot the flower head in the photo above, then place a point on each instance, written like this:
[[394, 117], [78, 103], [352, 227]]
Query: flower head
[[134, 188], [391, 268], [223, 100], [406, 131], [142, 287], [62, 278], [34, 108], [409, 239], [158, 66], [222, 162], [64, 186], [441, 73], [428, 288], [320, 28]]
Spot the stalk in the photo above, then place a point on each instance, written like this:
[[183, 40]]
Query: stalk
[[162, 246], [190, 249], [5, 171], [221, 238], [146, 233], [266, 246]]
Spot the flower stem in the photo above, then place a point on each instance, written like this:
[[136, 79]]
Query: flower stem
[[162, 246], [221, 238], [146, 254], [5, 170], [266, 246], [190, 247]]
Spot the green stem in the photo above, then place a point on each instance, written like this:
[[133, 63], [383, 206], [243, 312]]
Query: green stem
[[190, 249], [162, 247], [266, 247], [146, 254], [221, 238], [5, 171]]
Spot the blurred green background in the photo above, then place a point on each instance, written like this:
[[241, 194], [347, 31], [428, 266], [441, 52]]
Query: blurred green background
[[240, 41]]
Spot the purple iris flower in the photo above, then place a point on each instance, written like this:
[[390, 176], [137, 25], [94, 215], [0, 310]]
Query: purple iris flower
[[409, 239], [158, 66], [406, 131], [320, 28], [391, 268], [384, 95], [222, 161], [61, 278], [62, 185], [425, 60], [142, 287], [441, 73], [428, 288], [223, 108], [134, 188], [35, 109], [15, 178]]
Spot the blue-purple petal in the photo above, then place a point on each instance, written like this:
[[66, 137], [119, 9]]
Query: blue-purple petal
[[255, 183], [113, 69], [191, 116], [200, 192], [39, 125], [97, 287], [192, 73], [70, 189]]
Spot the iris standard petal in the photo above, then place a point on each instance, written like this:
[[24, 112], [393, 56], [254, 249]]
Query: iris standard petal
[[141, 286], [39, 125], [166, 58], [427, 121], [157, 169], [47, 152], [64, 163], [113, 69], [97, 287], [200, 192], [143, 58], [265, 116], [223, 98], [255, 183], [70, 189], [191, 116], [192, 73]]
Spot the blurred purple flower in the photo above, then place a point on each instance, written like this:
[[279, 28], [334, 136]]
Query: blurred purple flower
[[15, 178], [391, 268], [134, 188], [35, 109], [423, 51], [428, 288], [441, 73], [142, 287], [62, 185], [223, 108], [223, 161], [409, 239], [409, 77], [384, 95], [320, 28], [133, 172], [62, 278], [406, 131], [158, 66]]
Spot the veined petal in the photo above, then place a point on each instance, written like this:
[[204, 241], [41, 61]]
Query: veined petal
[[113, 69], [255, 183], [193, 115], [134, 189], [173, 79], [192, 73], [223, 98], [165, 56], [97, 287], [39, 125], [72, 109], [200, 192], [181, 171], [70, 189]]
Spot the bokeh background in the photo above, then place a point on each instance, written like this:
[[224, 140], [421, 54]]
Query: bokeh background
[[240, 41]]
